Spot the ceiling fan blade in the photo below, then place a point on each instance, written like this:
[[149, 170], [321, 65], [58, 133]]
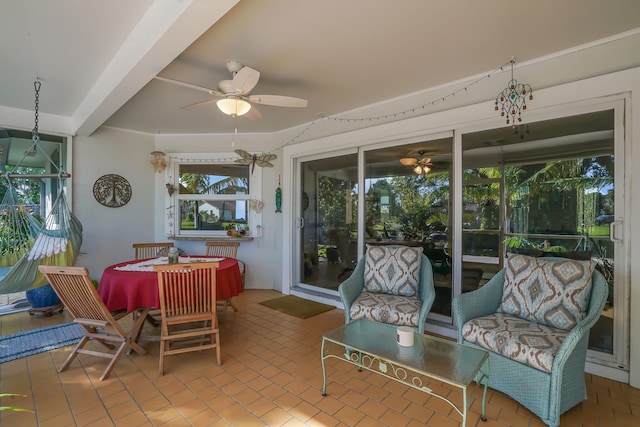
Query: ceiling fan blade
[[278, 100], [253, 114], [189, 85], [199, 104], [245, 80]]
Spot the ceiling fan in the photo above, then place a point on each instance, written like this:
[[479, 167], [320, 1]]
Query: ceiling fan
[[233, 96], [420, 164]]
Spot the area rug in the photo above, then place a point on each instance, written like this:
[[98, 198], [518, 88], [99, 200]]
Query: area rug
[[36, 341], [298, 307]]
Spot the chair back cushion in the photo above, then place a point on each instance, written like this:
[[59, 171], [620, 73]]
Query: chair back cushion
[[551, 292], [393, 270]]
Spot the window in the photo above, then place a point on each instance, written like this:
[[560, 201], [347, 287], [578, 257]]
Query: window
[[212, 197]]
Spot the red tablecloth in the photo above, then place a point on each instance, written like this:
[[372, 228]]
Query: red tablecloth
[[139, 289]]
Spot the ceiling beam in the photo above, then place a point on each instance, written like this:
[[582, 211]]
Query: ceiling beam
[[166, 30]]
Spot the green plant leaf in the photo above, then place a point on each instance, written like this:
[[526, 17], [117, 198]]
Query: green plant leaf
[[11, 408]]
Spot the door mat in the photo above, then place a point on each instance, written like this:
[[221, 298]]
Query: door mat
[[36, 341], [298, 307]]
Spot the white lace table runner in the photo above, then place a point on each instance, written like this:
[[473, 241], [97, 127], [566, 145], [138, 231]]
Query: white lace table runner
[[147, 265]]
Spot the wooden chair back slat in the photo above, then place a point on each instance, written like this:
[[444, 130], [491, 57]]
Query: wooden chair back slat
[[151, 250], [222, 249], [227, 250]]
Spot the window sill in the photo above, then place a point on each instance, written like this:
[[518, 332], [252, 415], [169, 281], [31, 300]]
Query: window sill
[[213, 238]]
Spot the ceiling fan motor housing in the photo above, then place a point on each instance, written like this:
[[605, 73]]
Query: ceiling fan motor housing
[[226, 86]]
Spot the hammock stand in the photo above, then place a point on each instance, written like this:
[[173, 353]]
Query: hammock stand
[[27, 242]]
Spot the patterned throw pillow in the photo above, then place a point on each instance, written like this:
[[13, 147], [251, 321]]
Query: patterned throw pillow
[[393, 270], [551, 292]]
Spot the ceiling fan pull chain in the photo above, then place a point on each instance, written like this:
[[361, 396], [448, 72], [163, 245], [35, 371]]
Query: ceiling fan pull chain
[[235, 131]]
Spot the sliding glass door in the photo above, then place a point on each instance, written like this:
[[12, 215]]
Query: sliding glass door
[[470, 199], [327, 221], [406, 202], [548, 189]]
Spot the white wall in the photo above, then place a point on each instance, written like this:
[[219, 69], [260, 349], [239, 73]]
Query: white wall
[[108, 233], [263, 256]]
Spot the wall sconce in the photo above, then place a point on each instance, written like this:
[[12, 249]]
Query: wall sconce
[[158, 161]]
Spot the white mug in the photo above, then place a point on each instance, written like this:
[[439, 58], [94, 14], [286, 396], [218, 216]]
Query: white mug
[[405, 336]]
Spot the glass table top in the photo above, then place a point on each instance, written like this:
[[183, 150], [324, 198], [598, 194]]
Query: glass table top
[[436, 357]]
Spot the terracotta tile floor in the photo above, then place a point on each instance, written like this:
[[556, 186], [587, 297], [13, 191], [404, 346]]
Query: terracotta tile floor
[[270, 376]]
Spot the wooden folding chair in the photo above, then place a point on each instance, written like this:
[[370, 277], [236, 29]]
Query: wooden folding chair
[[227, 250], [73, 286], [188, 308], [151, 250]]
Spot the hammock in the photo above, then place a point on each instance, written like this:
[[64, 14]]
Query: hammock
[[27, 242]]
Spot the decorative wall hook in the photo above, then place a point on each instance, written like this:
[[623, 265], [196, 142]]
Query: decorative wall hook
[[256, 205]]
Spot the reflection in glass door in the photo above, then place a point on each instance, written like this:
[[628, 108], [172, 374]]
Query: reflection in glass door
[[328, 221], [558, 199], [564, 208], [406, 202]]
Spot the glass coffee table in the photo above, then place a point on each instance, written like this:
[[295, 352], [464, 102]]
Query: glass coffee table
[[372, 346]]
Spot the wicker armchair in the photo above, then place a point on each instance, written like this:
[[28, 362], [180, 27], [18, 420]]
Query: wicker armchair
[[547, 394], [388, 307]]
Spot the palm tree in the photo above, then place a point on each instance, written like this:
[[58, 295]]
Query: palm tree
[[193, 183]]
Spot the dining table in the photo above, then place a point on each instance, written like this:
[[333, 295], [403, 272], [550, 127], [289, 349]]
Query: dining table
[[133, 285]]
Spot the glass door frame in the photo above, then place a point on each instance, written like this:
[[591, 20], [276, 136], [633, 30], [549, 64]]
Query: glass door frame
[[619, 360], [298, 220], [562, 108]]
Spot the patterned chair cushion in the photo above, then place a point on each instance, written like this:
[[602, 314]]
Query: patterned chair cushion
[[527, 342], [551, 292], [393, 270], [384, 308]]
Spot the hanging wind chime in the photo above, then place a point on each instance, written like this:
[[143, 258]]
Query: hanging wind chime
[[513, 100]]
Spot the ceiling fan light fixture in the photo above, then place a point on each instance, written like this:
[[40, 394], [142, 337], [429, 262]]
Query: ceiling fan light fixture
[[233, 106], [420, 165], [421, 169], [408, 161]]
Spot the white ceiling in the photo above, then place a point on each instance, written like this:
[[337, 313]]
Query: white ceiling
[[96, 59]]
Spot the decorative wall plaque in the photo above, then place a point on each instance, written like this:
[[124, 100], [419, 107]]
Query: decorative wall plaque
[[112, 191]]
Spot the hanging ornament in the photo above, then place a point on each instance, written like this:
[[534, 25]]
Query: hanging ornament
[[278, 197], [513, 100], [158, 161]]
